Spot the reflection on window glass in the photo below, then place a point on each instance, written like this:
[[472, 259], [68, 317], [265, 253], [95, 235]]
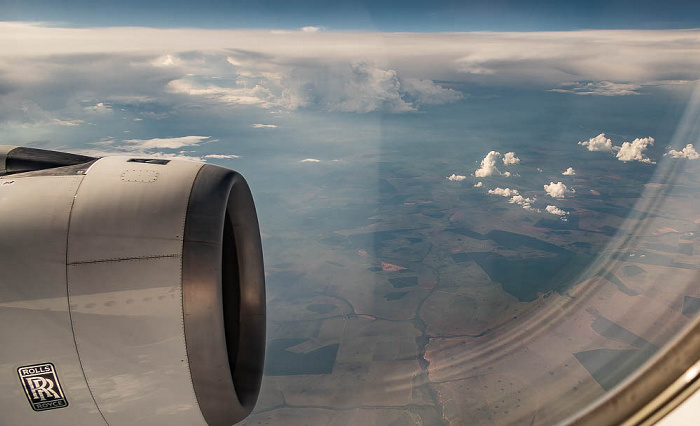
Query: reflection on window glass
[[461, 228]]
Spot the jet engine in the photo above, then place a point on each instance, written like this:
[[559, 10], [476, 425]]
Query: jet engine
[[131, 291]]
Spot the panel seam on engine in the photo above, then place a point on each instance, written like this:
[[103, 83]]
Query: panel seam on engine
[[68, 299], [126, 259]]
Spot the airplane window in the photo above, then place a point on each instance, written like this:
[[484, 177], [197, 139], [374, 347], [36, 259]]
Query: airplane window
[[469, 214]]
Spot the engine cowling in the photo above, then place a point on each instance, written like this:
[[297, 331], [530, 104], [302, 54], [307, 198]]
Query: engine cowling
[[136, 285]]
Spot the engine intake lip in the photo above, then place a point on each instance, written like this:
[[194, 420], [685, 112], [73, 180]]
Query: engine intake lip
[[223, 287]]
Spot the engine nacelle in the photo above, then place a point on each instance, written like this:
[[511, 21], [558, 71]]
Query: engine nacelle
[[131, 291]]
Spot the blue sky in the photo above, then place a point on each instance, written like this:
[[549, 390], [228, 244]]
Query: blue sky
[[383, 15]]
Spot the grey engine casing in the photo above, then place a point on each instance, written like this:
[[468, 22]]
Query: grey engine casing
[[140, 280]]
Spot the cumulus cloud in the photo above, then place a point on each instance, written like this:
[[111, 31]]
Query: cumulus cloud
[[569, 172], [478, 185], [523, 202], [222, 156], [369, 88], [628, 151], [504, 192], [688, 152], [510, 158], [601, 88], [556, 211], [359, 87], [169, 143], [488, 165], [264, 126], [515, 197], [310, 160], [634, 151], [456, 178], [557, 190], [426, 92], [598, 143], [310, 29]]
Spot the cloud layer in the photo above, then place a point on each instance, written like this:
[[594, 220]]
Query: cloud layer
[[602, 88], [598, 59], [68, 76]]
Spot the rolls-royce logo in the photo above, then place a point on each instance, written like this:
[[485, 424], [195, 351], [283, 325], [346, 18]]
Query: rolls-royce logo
[[41, 385]]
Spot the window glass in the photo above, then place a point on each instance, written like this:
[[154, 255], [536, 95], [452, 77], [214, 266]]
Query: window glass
[[483, 215]]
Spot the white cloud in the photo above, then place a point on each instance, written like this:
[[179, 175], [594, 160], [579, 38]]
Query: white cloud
[[523, 202], [556, 211], [264, 126], [107, 148], [569, 172], [99, 108], [515, 197], [488, 165], [256, 95], [628, 151], [504, 192], [222, 156], [166, 61], [169, 143], [601, 88], [510, 158], [557, 190], [369, 88], [456, 178], [426, 92], [68, 123], [688, 152], [478, 185], [310, 29], [598, 143], [310, 160], [634, 151]]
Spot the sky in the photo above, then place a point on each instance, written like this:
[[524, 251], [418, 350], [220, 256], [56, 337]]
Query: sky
[[221, 81], [382, 15]]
